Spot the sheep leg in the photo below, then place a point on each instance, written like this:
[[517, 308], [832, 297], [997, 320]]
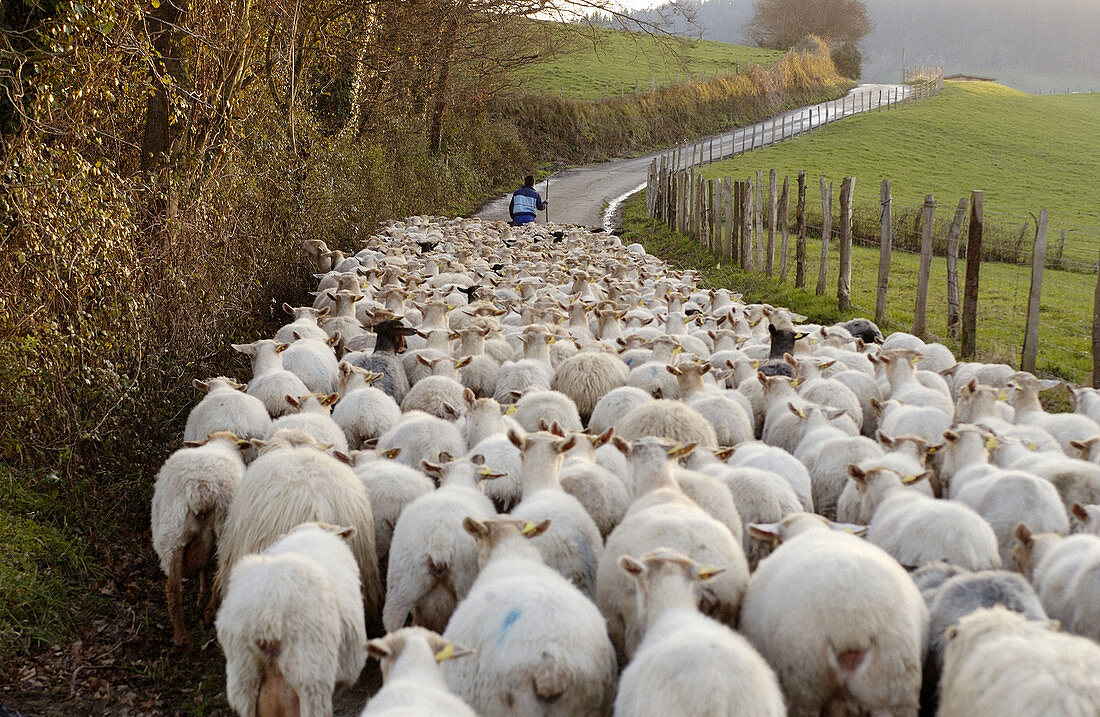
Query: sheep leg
[[211, 609], [173, 590]]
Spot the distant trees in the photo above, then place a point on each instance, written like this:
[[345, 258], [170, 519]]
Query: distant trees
[[848, 60], [779, 24]]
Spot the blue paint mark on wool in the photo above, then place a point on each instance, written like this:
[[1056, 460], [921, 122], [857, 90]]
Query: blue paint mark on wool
[[509, 620]]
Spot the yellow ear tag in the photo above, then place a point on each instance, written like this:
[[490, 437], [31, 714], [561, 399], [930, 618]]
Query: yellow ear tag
[[795, 382], [705, 573], [1032, 446], [992, 443], [914, 361], [484, 471], [677, 350], [552, 339], [510, 410], [529, 529], [445, 654], [908, 478], [1002, 396], [931, 450], [813, 341], [801, 413], [756, 364]]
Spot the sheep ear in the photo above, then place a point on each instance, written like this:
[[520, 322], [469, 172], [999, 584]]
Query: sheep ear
[[853, 528], [247, 349], [705, 367], [681, 450], [516, 439], [836, 413], [193, 444], [674, 370], [632, 566], [423, 361], [288, 308], [324, 311], [370, 443], [281, 348], [1023, 534], [884, 439], [293, 400], [1048, 383], [378, 649], [765, 531], [469, 396], [1080, 512], [345, 532], [556, 429], [451, 651], [724, 453], [475, 527], [445, 457], [464, 362], [950, 633], [431, 469], [391, 453], [477, 459], [796, 410], [604, 437], [567, 444], [857, 474], [342, 457], [200, 386], [621, 445], [451, 410], [706, 572], [910, 479], [330, 399], [532, 529]]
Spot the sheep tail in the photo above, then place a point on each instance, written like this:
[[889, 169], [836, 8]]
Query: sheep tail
[[551, 679]]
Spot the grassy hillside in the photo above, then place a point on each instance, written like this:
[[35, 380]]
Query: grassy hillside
[[1027, 152], [595, 58]]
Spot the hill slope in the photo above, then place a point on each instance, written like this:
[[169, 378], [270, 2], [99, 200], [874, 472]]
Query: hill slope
[[598, 58], [1027, 152]]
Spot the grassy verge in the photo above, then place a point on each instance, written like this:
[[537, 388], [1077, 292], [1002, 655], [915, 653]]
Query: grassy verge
[[1026, 152], [595, 59], [1064, 342]]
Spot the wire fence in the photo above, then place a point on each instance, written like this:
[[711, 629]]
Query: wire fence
[[1025, 301]]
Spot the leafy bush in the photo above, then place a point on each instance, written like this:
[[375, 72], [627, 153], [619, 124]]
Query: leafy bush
[[848, 60]]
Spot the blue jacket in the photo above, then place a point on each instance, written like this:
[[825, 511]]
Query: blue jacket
[[525, 200]]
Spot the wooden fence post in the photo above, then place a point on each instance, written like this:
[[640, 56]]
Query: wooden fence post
[[844, 279], [973, 270], [727, 243], [738, 214], [746, 225], [757, 217], [953, 268], [928, 215], [885, 246], [773, 210], [1038, 258], [1096, 333], [800, 232], [711, 206], [784, 220], [826, 233]]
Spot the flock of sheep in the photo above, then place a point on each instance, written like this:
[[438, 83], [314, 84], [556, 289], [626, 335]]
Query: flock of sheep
[[550, 476]]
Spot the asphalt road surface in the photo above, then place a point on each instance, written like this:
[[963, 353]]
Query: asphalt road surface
[[590, 195]]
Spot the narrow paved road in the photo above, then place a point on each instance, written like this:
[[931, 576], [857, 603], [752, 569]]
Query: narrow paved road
[[590, 195]]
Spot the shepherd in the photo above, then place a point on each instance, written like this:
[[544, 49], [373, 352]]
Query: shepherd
[[526, 203]]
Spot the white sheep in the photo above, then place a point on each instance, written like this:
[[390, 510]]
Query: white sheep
[[314, 362], [292, 482], [686, 662], [292, 625], [304, 324], [312, 416], [917, 529], [905, 454], [669, 419], [422, 437], [1088, 517], [728, 411], [573, 545], [540, 646], [433, 561], [412, 679], [226, 407], [662, 516], [1023, 396], [826, 450], [1003, 498], [536, 410], [838, 619], [191, 499], [271, 383], [438, 396], [999, 662], [363, 412], [613, 405], [898, 419], [587, 377], [391, 486], [603, 493], [778, 461], [1066, 574]]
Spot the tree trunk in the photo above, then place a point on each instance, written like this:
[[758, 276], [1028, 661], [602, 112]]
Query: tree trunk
[[439, 96]]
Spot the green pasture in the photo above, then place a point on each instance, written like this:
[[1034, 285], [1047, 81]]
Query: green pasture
[[1027, 152], [593, 59]]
